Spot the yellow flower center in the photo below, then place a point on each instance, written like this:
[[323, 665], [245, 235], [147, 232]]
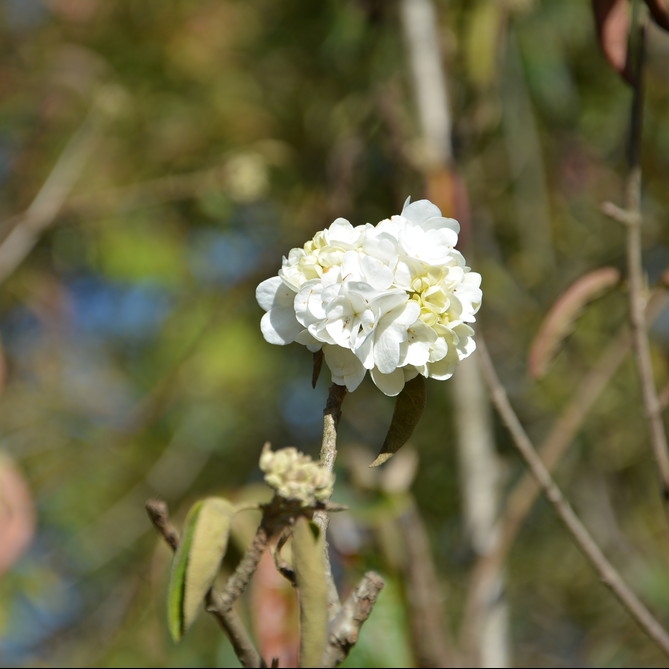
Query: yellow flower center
[[429, 291]]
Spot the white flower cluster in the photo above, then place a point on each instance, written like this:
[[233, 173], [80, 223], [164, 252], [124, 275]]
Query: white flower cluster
[[295, 476], [395, 299]]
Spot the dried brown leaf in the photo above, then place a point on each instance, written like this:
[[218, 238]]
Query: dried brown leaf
[[560, 319], [612, 20], [409, 407]]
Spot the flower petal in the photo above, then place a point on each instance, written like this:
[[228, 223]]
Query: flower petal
[[389, 384], [273, 291], [346, 369], [396, 298], [279, 326]]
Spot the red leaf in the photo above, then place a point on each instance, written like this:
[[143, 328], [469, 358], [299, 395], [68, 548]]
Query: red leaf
[[612, 22], [17, 514], [612, 19]]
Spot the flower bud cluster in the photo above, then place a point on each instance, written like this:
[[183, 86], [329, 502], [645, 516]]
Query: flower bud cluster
[[295, 476]]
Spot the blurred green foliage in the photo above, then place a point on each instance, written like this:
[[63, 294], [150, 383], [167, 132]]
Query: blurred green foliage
[[223, 133]]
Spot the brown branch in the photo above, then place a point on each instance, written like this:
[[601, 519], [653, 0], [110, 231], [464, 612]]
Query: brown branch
[[607, 572], [640, 341], [572, 418], [159, 515], [523, 495], [236, 584], [632, 218], [228, 619], [234, 629], [331, 417], [282, 566], [345, 627]]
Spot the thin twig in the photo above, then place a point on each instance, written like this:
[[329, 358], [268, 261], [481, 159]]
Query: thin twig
[[228, 619], [607, 572], [524, 493], [47, 203], [345, 628], [237, 583], [282, 566], [641, 344], [234, 629], [275, 518], [159, 515], [331, 416], [637, 289]]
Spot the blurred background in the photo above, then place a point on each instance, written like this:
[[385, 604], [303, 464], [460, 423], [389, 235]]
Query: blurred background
[[156, 161]]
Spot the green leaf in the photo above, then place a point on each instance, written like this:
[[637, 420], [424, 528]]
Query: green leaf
[[408, 410], [309, 562], [197, 561]]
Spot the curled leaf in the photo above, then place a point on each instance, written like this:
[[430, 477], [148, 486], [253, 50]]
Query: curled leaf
[[316, 370], [612, 22], [558, 322], [408, 410], [196, 562], [309, 562]]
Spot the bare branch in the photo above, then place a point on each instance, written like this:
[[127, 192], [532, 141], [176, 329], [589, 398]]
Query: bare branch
[[524, 493], [607, 572], [234, 629], [236, 584], [345, 628], [159, 515], [331, 416], [636, 278]]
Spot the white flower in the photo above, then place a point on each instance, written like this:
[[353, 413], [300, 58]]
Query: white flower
[[395, 299]]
